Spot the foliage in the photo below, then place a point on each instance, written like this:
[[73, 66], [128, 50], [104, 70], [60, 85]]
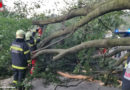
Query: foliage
[[76, 63], [82, 60], [8, 27]]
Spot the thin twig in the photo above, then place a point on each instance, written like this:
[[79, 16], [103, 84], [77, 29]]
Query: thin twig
[[119, 62], [100, 20], [53, 43]]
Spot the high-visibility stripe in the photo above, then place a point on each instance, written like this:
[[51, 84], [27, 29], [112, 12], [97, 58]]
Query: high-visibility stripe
[[35, 41], [16, 48], [26, 51], [30, 45], [14, 81], [29, 61], [17, 67], [126, 65]]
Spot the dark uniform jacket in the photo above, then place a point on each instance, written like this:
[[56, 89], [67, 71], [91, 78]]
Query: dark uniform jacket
[[32, 43], [20, 54]]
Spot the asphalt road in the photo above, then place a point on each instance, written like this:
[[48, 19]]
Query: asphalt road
[[38, 85]]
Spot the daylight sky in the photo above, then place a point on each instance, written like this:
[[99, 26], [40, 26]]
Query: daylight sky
[[54, 6]]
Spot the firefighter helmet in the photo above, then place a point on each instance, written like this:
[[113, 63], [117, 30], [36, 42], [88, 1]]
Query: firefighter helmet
[[20, 34], [28, 35]]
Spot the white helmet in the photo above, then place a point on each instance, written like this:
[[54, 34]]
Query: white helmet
[[28, 35], [108, 34], [20, 34], [34, 30]]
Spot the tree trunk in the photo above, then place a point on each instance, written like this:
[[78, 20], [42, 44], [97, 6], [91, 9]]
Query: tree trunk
[[71, 14], [104, 43]]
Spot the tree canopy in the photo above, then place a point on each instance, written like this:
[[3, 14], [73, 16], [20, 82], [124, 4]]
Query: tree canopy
[[72, 41]]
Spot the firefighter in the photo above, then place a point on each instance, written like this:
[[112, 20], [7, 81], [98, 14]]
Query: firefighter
[[31, 40], [32, 43], [126, 69], [126, 76], [20, 55]]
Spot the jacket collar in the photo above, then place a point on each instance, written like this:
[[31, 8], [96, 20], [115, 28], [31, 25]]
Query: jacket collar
[[19, 40]]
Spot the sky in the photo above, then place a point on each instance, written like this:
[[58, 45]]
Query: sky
[[52, 6]]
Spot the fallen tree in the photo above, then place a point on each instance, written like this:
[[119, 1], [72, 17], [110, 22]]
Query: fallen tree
[[67, 75], [118, 63], [71, 14], [89, 13], [113, 5], [94, 43]]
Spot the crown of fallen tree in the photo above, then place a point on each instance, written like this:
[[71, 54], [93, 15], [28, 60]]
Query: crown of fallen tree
[[89, 13]]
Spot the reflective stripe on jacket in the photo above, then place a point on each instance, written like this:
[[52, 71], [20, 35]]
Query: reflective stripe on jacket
[[32, 43], [20, 54]]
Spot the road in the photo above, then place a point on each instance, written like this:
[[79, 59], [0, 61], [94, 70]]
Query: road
[[38, 85]]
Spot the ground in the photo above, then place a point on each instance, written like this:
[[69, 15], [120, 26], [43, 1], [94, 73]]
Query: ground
[[38, 85]]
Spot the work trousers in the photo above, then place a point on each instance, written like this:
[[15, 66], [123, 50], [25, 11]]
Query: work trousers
[[126, 86], [19, 75], [125, 82]]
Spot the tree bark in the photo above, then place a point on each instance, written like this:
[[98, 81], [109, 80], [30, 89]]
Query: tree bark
[[72, 76], [102, 43], [71, 14], [67, 75], [114, 5]]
